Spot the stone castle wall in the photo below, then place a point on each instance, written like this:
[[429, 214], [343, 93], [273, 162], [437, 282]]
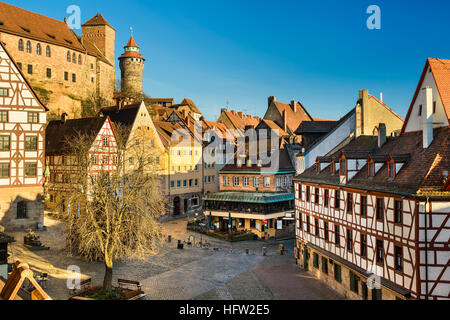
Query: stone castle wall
[[62, 91]]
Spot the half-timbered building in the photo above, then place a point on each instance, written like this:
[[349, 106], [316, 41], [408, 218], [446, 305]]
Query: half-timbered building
[[62, 165], [22, 136], [373, 217]]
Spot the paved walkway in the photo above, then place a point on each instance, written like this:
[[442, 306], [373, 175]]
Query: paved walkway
[[192, 273]]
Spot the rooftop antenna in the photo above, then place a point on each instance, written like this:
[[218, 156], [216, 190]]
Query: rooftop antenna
[[228, 103]]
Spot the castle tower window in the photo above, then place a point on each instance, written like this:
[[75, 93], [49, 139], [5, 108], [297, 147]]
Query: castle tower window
[[20, 45], [28, 47], [48, 51], [74, 77], [19, 64], [79, 59], [30, 69], [49, 73], [66, 76], [74, 58], [38, 49], [68, 56]]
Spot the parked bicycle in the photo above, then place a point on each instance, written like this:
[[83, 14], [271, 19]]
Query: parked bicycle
[[203, 244]]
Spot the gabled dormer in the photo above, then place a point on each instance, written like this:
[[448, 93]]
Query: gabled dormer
[[322, 163], [375, 163], [343, 178], [395, 164]]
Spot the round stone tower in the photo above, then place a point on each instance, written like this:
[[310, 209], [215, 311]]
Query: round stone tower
[[132, 68]]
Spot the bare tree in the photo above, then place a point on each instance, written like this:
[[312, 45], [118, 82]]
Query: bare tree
[[114, 214]]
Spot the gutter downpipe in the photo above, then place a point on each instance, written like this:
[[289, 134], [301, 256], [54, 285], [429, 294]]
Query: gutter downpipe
[[427, 202]]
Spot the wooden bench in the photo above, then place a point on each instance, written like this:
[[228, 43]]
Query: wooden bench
[[85, 284], [126, 283]]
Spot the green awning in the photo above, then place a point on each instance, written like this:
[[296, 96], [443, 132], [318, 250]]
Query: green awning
[[249, 197]]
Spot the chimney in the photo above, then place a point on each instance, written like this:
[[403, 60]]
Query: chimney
[[223, 110], [381, 134], [241, 115], [65, 20], [285, 120], [64, 117], [428, 118], [294, 106], [272, 99]]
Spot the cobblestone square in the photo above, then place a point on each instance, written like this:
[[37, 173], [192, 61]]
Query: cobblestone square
[[189, 274]]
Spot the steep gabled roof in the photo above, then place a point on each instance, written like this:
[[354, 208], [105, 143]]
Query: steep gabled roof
[[294, 119], [124, 117], [240, 120], [32, 25], [191, 104], [20, 77], [59, 133], [440, 69], [97, 20]]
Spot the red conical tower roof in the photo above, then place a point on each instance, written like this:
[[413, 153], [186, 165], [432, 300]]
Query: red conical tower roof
[[131, 50], [132, 43]]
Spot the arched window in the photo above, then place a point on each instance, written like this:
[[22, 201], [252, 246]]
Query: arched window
[[74, 58], [28, 47], [38, 49], [79, 59], [68, 56], [20, 45], [48, 52]]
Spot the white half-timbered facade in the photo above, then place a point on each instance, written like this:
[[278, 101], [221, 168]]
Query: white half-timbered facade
[[22, 149], [373, 218]]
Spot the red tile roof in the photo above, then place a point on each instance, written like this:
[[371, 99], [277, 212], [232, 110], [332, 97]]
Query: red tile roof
[[423, 170], [97, 20], [240, 120], [441, 73], [132, 43], [32, 25], [294, 119]]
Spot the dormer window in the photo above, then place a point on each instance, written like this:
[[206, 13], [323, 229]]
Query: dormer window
[[391, 169], [343, 167], [371, 166]]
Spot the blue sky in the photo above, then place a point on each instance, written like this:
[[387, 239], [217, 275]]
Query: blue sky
[[318, 52]]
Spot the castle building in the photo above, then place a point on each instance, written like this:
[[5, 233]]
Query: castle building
[[132, 68], [63, 68], [22, 139]]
